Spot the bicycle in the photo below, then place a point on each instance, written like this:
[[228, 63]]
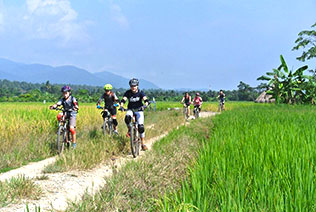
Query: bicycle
[[221, 106], [196, 112], [133, 132], [107, 126], [63, 132], [186, 111]]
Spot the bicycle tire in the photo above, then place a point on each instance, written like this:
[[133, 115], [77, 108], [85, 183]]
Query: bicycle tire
[[196, 113], [137, 143], [132, 139], [104, 127], [60, 140], [109, 126]]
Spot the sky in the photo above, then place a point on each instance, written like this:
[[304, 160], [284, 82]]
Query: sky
[[196, 44]]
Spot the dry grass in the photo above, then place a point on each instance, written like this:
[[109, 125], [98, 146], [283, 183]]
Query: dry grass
[[137, 184], [18, 188], [94, 148]]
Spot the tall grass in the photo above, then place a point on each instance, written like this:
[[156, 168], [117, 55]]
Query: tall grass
[[96, 148], [138, 183], [259, 158], [28, 131]]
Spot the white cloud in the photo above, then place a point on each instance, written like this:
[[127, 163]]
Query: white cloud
[[49, 19], [118, 16]]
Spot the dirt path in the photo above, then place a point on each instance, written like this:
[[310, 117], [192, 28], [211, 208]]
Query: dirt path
[[60, 188]]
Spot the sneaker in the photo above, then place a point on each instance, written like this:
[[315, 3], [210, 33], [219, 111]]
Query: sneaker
[[144, 147], [74, 145], [115, 132]]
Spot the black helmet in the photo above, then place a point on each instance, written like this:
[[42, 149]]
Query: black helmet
[[133, 82]]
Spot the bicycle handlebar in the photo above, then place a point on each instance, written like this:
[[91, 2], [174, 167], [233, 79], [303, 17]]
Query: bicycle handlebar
[[142, 108], [64, 110]]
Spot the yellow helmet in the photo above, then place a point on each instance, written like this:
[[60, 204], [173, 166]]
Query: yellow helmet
[[108, 87]]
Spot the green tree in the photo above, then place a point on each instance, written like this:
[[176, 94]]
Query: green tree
[[286, 86], [306, 39]]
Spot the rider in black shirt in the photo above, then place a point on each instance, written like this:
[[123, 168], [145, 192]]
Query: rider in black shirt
[[135, 99]]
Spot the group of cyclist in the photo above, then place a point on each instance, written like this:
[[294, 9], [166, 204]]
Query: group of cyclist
[[137, 101], [197, 101], [134, 96]]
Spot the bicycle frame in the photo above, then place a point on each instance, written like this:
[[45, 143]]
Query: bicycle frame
[[107, 121], [63, 132], [196, 111], [134, 134]]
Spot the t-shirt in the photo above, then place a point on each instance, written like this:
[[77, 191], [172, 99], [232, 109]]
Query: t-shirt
[[108, 100], [135, 100], [197, 100], [222, 97], [187, 100], [68, 104]]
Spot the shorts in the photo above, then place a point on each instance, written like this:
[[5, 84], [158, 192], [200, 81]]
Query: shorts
[[72, 118], [112, 111]]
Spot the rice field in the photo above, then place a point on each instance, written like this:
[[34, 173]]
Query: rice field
[[253, 157], [28, 130], [258, 158]]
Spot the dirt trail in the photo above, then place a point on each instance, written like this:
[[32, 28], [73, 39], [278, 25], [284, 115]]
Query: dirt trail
[[60, 188]]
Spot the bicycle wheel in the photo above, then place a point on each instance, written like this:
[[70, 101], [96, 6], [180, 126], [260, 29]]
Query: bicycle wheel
[[137, 142], [132, 139], [196, 113], [104, 127], [187, 113], [60, 139], [110, 126]]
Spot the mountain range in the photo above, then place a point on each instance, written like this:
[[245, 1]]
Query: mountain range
[[39, 73]]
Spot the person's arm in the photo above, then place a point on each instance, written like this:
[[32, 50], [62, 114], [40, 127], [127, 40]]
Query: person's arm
[[145, 99], [182, 100], [74, 100], [56, 105], [201, 100], [115, 98], [124, 99], [99, 101]]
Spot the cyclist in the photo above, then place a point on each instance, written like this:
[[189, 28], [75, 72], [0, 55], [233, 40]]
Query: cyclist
[[221, 98], [69, 103], [197, 101], [135, 99], [110, 100], [186, 101]]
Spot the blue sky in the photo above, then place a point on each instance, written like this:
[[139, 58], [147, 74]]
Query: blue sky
[[174, 44]]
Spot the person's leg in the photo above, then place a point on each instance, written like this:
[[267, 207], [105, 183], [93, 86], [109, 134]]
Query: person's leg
[[115, 123], [72, 129], [128, 119], [141, 128]]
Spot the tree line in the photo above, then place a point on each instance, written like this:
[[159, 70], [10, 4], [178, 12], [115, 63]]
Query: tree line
[[14, 91]]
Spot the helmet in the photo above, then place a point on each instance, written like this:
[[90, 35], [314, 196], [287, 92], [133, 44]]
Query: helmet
[[133, 82], [108, 87], [198, 94], [65, 88]]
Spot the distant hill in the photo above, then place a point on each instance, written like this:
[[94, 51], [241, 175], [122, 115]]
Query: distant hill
[[38, 73]]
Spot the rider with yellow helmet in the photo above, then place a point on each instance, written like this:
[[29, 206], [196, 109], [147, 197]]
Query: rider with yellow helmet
[[109, 99]]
